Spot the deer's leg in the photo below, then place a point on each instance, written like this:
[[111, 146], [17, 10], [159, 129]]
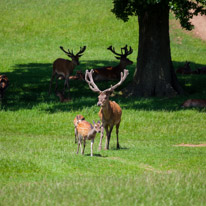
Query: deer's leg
[[66, 83], [109, 136], [57, 77], [102, 134], [84, 146], [79, 144], [52, 78], [75, 132], [92, 142], [117, 133]]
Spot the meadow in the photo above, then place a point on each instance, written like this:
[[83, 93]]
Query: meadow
[[38, 161]]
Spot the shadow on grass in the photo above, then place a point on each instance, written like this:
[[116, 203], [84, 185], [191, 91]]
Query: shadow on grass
[[29, 84], [96, 155]]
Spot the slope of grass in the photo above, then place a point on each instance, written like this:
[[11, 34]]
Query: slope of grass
[[38, 161]]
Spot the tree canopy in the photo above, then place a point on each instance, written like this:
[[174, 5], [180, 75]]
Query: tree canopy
[[183, 9]]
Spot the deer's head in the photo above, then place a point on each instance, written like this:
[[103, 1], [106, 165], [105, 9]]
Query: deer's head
[[123, 56], [103, 97], [75, 58], [97, 126]]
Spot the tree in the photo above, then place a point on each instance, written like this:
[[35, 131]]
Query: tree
[[154, 75]]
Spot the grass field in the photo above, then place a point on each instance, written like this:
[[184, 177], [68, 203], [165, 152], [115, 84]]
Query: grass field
[[38, 161]]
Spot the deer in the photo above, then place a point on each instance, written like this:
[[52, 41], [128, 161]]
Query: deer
[[4, 83], [110, 112], [61, 97], [77, 119], [194, 103], [113, 73], [184, 69], [63, 68], [87, 131]]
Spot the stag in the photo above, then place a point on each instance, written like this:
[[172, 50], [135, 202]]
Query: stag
[[113, 73], [110, 112], [63, 68]]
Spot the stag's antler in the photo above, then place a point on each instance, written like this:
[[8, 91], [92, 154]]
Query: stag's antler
[[81, 51], [112, 49], [71, 54], [90, 81], [126, 52], [93, 86]]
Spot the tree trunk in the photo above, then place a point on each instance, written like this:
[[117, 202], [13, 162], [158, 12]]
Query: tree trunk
[[154, 75]]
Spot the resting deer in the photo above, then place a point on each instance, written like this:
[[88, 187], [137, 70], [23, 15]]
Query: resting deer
[[77, 119], [194, 103], [61, 97], [113, 73], [64, 68], [110, 112], [87, 131], [4, 83], [184, 69]]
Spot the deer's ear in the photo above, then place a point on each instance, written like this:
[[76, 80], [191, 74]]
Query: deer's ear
[[118, 57]]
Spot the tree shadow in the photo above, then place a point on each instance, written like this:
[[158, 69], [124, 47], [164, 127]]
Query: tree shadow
[[29, 85]]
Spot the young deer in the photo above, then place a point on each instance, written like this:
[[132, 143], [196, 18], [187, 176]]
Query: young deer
[[77, 119], [110, 112], [64, 68], [87, 131], [113, 73], [194, 103], [4, 83]]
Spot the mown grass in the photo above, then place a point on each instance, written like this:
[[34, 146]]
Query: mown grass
[[38, 164]]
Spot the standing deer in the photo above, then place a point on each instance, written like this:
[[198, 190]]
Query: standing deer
[[64, 68], [77, 119], [113, 73], [87, 131], [110, 112]]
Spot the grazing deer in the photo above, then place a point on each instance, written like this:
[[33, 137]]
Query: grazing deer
[[110, 112], [4, 83], [194, 103], [87, 131], [114, 73], [185, 69], [77, 119], [64, 68]]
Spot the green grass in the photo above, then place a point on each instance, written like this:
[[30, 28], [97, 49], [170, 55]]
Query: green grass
[[38, 161]]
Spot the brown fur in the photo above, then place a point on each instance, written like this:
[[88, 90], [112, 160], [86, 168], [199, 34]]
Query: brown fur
[[113, 73], [184, 69], [64, 68], [4, 83], [61, 97], [77, 119], [194, 103], [87, 131]]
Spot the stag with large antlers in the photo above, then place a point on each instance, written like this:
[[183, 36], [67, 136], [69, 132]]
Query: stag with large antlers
[[113, 73], [64, 68], [110, 112]]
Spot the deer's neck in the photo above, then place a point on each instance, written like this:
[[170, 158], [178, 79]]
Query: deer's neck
[[92, 133], [107, 111]]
